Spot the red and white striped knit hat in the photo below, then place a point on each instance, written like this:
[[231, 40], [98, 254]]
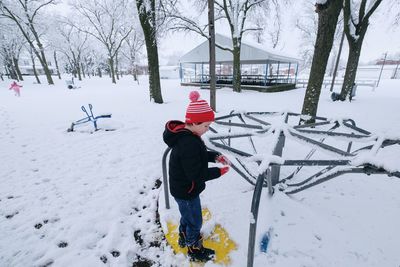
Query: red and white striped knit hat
[[198, 110]]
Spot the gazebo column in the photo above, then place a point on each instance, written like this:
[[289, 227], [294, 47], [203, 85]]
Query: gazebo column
[[297, 68], [180, 72], [195, 72], [202, 72], [287, 81], [277, 72], [220, 72], [266, 74]]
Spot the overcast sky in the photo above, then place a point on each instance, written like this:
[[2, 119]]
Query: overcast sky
[[381, 37]]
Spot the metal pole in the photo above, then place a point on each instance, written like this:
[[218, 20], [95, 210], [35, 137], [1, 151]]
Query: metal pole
[[165, 177], [276, 169], [211, 32], [337, 62], [395, 71], [380, 74], [253, 221]]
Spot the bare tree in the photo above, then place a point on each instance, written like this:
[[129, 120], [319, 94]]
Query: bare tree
[[107, 21], [10, 50], [151, 19], [7, 59], [393, 11], [134, 45], [328, 14], [33, 56], [72, 46], [25, 14], [307, 24], [270, 26], [56, 64], [356, 17]]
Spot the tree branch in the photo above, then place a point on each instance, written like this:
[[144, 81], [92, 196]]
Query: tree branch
[[39, 7]]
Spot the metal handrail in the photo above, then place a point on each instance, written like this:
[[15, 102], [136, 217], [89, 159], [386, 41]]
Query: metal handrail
[[255, 203], [165, 177]]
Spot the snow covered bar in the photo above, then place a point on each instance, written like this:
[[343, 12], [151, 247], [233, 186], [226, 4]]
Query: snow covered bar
[[261, 70]]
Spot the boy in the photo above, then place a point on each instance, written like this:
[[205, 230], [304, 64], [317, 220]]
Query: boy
[[188, 172]]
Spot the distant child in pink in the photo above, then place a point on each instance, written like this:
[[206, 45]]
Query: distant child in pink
[[16, 87]]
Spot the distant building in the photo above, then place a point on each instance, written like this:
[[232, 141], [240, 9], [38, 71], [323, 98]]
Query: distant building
[[372, 72], [388, 62], [26, 68], [169, 72]]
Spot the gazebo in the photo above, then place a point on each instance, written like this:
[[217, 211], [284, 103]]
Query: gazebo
[[261, 70]]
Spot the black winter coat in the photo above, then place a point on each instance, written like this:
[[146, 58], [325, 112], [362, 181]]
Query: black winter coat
[[188, 162]]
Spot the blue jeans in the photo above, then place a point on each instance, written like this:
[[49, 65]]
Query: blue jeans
[[191, 219]]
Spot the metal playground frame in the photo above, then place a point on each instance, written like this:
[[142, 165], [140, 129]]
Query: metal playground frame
[[254, 126]]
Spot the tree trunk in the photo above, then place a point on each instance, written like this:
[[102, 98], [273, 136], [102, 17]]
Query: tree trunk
[[351, 68], [83, 70], [211, 43], [135, 73], [11, 70], [99, 72], [116, 67], [328, 14], [147, 21], [6, 69], [34, 67], [154, 73], [355, 29], [78, 71], [237, 75], [56, 62], [112, 70], [45, 66], [17, 70]]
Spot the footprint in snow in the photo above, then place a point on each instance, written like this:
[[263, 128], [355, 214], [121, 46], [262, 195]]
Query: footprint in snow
[[62, 244], [9, 216], [115, 253]]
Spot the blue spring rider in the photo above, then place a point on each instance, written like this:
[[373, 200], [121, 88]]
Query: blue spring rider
[[89, 118]]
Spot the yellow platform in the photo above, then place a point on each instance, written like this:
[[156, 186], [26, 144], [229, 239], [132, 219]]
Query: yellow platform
[[218, 240]]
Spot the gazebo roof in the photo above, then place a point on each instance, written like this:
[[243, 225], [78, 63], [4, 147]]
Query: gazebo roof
[[249, 53]]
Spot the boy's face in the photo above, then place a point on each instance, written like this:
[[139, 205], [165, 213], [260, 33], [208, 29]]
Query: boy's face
[[200, 129]]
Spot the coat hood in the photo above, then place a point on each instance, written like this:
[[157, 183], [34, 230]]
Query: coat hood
[[173, 131]]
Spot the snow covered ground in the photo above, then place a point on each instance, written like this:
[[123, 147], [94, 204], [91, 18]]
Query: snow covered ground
[[82, 199]]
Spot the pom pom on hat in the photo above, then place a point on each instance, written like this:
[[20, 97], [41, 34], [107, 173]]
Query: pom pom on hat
[[194, 96], [198, 110]]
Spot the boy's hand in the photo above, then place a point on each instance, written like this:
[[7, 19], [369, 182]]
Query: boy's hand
[[224, 170], [223, 159]]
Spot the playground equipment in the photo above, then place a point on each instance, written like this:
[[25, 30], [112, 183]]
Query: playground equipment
[[256, 141], [89, 118]]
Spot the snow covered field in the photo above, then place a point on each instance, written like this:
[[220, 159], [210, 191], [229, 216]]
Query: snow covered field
[[81, 199]]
